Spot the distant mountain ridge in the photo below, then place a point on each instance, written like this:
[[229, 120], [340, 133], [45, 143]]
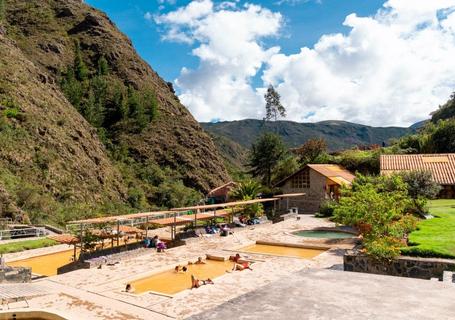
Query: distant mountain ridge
[[338, 134]]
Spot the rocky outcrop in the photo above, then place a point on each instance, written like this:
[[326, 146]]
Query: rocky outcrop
[[46, 31]]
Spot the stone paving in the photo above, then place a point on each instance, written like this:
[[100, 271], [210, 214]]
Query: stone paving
[[328, 294], [97, 293]]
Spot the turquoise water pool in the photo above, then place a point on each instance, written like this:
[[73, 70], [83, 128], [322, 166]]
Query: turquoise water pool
[[323, 234]]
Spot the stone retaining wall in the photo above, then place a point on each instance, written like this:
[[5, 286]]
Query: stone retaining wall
[[412, 267], [15, 275]]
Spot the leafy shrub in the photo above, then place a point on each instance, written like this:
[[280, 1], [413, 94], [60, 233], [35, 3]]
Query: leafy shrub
[[326, 209], [377, 206], [136, 198], [248, 190], [420, 186]]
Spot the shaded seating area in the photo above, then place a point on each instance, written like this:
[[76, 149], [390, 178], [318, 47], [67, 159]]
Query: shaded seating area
[[126, 232]]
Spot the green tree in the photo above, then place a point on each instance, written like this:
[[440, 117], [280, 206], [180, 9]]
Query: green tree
[[116, 105], [265, 155], [446, 111], [421, 187], [285, 167], [80, 68], [246, 190], [2, 10], [377, 206], [273, 106], [311, 150], [249, 190], [136, 109], [442, 140], [103, 67], [150, 105], [72, 88]]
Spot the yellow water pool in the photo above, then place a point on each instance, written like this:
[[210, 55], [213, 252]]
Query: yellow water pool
[[169, 282], [45, 265], [288, 251]]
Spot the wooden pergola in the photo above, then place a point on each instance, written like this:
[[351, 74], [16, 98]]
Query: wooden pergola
[[170, 218], [200, 214]]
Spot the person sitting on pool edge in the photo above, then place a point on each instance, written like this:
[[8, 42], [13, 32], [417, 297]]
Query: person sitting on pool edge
[[196, 283], [129, 288]]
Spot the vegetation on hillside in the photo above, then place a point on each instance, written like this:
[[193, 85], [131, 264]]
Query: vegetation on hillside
[[339, 135], [104, 101], [64, 59], [446, 111]]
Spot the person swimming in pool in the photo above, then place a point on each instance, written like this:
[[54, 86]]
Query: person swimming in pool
[[180, 269], [196, 283], [199, 261]]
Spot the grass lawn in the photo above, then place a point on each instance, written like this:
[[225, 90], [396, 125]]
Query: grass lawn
[[26, 245], [435, 237]]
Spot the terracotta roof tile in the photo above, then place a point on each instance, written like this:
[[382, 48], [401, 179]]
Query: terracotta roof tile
[[441, 166]]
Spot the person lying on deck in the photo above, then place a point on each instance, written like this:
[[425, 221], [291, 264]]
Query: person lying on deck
[[196, 283], [240, 264]]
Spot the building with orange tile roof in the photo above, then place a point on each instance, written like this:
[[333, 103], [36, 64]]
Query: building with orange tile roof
[[319, 182], [441, 166]]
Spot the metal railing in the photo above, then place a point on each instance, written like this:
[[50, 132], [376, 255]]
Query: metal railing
[[22, 233]]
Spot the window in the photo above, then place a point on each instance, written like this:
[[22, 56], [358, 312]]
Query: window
[[301, 180]]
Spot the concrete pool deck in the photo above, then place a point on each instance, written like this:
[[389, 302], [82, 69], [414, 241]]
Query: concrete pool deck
[[97, 293], [331, 294]]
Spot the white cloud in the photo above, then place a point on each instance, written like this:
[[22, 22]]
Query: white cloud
[[230, 53], [392, 68]]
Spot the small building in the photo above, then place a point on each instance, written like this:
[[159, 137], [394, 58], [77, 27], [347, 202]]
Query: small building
[[220, 194], [319, 182], [441, 166]]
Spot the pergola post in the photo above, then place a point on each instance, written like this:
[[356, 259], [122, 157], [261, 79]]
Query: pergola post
[[75, 252], [146, 227], [174, 226], [195, 217], [118, 233], [81, 237]]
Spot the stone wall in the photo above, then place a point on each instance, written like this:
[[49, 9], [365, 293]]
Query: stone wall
[[412, 267], [15, 275]]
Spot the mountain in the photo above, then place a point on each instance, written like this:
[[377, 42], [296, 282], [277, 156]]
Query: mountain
[[235, 156], [338, 134], [60, 149]]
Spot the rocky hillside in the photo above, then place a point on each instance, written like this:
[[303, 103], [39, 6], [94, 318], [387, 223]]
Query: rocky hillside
[[53, 156], [338, 134]]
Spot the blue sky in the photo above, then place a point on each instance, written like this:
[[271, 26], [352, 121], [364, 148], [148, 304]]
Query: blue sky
[[381, 63], [305, 22]]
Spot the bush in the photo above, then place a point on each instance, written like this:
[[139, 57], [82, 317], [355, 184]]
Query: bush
[[326, 209], [248, 190], [377, 206], [421, 187], [136, 198]]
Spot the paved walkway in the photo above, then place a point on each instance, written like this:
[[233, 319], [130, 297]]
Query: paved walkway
[[97, 293], [327, 294]]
